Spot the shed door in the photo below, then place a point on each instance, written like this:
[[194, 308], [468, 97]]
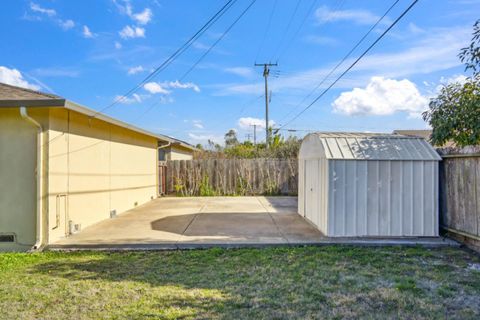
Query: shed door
[[311, 174]]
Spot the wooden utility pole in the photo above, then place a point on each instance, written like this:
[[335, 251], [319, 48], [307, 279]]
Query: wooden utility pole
[[266, 72]]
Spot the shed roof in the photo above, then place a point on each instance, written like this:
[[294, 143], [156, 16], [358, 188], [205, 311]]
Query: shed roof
[[12, 96], [373, 146]]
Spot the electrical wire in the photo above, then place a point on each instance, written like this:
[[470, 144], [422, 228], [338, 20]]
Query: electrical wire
[[173, 56], [203, 55], [359, 42], [353, 64], [266, 30], [287, 29], [217, 41]]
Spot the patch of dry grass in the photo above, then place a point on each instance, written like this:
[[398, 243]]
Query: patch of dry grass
[[282, 283]]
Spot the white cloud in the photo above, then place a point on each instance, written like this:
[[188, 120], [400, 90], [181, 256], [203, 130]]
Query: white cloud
[[325, 15], [382, 97], [15, 78], [425, 54], [118, 45], [135, 98], [178, 85], [87, 33], [143, 17], [66, 24], [198, 124], [135, 70], [52, 14], [57, 72], [155, 87], [36, 8], [322, 40], [132, 32], [240, 71], [247, 123], [205, 137]]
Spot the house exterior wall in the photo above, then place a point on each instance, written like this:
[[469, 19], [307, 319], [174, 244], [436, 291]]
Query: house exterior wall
[[18, 190], [383, 198], [90, 167], [176, 153], [95, 167]]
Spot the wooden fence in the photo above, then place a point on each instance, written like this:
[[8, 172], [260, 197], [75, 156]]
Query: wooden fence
[[460, 193], [232, 177]]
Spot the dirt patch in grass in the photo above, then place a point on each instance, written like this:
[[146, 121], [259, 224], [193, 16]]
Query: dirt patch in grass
[[281, 283]]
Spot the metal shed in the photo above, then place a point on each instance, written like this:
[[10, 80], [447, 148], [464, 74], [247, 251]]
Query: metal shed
[[365, 184]]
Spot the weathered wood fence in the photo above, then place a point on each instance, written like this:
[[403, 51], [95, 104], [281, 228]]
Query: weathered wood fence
[[460, 193], [232, 177]]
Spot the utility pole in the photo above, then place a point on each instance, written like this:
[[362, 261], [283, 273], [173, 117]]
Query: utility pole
[[266, 72], [254, 134]]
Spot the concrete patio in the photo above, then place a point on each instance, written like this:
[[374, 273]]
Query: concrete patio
[[202, 222], [170, 222]]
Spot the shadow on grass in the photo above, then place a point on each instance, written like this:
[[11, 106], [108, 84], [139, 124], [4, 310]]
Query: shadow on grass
[[270, 283]]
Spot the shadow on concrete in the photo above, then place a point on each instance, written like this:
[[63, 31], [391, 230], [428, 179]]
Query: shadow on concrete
[[228, 226]]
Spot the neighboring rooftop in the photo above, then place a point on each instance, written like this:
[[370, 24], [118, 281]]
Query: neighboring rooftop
[[12, 96]]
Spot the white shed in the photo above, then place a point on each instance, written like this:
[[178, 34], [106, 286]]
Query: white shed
[[373, 185]]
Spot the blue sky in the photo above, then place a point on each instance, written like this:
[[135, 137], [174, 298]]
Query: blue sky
[[93, 51]]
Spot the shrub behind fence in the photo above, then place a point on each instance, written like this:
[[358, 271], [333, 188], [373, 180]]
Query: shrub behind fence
[[240, 177]]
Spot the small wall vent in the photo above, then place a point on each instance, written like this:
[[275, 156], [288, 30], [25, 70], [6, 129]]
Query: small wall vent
[[74, 227], [7, 238]]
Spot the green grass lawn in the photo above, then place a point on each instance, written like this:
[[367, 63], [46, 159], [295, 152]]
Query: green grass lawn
[[274, 283]]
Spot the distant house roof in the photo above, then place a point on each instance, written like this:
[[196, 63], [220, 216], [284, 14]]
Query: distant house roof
[[12, 96], [425, 134], [370, 146]]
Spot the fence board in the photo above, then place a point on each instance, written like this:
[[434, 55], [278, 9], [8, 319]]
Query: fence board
[[460, 191], [233, 176]]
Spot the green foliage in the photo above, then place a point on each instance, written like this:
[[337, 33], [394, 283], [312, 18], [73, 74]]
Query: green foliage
[[205, 189], [179, 187], [279, 148], [243, 187], [231, 138], [455, 113], [271, 188], [471, 55]]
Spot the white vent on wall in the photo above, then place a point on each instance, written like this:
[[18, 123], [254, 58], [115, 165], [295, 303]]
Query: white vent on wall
[[74, 227]]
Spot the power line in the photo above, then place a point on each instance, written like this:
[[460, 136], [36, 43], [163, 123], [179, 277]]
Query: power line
[[173, 56], [353, 64], [218, 40], [343, 59], [202, 56], [287, 29], [266, 30]]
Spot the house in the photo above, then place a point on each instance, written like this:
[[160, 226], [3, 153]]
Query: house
[[64, 167]]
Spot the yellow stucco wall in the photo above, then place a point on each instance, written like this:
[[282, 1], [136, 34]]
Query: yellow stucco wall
[[94, 168], [90, 168], [18, 190], [178, 153]]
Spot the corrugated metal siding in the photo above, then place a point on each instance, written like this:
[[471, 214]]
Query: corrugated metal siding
[[372, 147], [383, 198]]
